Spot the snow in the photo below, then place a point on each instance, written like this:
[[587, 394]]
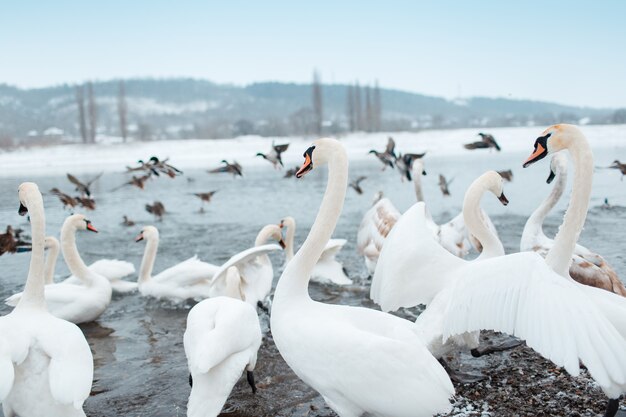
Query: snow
[[113, 156]]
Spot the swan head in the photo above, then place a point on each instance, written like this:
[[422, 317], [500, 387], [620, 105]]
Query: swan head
[[149, 233], [287, 222], [318, 154], [493, 182], [51, 242], [80, 222], [553, 139], [270, 231], [558, 165], [27, 193]]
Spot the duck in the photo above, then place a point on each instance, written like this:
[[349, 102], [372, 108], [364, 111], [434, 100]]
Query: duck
[[163, 167], [189, 279], [139, 182], [112, 269], [233, 168], [387, 157], [205, 198], [127, 221], [83, 299], [523, 294], [11, 241], [356, 184], [487, 141], [157, 209], [83, 187], [221, 341], [66, 200], [404, 164], [46, 365], [253, 266], [274, 156], [587, 267], [378, 364], [327, 270], [444, 185]]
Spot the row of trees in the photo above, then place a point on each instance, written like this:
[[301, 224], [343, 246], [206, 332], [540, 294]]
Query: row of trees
[[88, 114]]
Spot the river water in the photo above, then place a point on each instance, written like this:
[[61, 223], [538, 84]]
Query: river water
[[140, 365]]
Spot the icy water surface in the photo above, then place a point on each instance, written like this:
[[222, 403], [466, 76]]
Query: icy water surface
[[140, 365]]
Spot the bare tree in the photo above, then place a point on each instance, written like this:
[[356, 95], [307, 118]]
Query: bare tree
[[358, 107], [122, 111], [80, 103], [369, 111], [317, 103], [93, 113], [350, 109], [378, 108]]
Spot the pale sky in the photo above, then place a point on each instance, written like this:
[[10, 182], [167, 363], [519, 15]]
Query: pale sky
[[570, 52]]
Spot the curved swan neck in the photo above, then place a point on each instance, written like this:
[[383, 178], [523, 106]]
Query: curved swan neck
[[33, 295], [147, 262], [290, 224], [534, 224], [294, 281], [263, 236], [560, 255], [70, 253], [475, 223], [418, 168], [51, 260]]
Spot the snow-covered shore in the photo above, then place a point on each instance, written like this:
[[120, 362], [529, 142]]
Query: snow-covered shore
[[195, 153]]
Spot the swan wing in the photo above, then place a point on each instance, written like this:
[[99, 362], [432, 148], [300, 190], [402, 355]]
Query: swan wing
[[332, 248], [243, 260], [71, 363], [520, 295], [57, 295], [452, 236], [112, 269], [612, 305], [376, 224], [186, 273], [218, 328], [412, 267]]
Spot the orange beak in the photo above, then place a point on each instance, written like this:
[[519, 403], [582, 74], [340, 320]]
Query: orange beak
[[91, 228], [306, 167], [139, 237], [539, 151]]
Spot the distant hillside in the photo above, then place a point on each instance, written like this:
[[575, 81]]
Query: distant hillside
[[186, 108]]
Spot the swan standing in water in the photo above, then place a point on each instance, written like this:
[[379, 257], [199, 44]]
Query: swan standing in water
[[189, 279], [359, 360], [222, 339], [587, 267], [253, 267], [327, 269], [46, 366], [84, 301]]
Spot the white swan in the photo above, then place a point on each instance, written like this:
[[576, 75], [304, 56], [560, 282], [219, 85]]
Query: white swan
[[189, 279], [327, 269], [46, 367], [521, 294], [112, 269], [222, 339], [359, 360], [78, 303], [253, 266], [587, 267], [381, 218]]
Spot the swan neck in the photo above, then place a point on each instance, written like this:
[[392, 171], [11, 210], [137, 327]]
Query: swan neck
[[51, 263], [147, 262], [417, 183], [534, 224], [70, 253], [560, 255], [289, 240], [295, 278], [476, 224], [33, 295]]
